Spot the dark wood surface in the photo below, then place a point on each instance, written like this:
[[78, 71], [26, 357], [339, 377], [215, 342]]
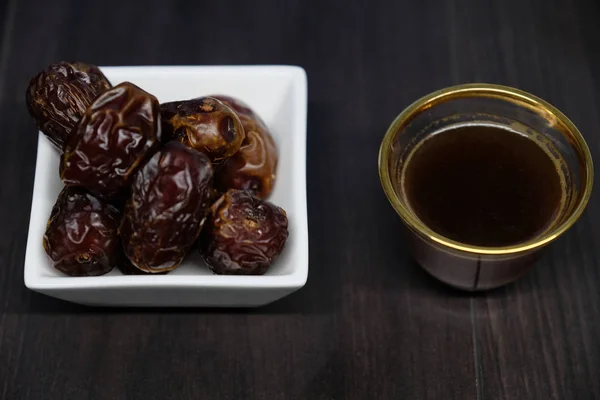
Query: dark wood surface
[[369, 324]]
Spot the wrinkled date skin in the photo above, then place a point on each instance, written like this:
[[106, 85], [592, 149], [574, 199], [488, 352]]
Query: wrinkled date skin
[[243, 234], [81, 237], [204, 124], [167, 208], [58, 96], [119, 131], [253, 167]]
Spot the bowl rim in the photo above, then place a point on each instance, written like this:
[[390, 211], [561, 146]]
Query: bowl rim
[[294, 279], [521, 99]]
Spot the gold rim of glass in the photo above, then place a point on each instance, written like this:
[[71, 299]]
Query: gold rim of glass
[[519, 98]]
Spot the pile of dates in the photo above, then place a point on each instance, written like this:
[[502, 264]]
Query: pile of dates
[[146, 183]]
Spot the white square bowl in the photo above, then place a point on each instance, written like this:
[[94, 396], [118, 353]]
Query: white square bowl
[[278, 95]]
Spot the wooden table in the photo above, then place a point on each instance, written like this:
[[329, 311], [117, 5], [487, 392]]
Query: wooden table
[[369, 324]]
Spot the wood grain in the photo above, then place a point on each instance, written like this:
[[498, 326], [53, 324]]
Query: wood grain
[[369, 324], [538, 338]]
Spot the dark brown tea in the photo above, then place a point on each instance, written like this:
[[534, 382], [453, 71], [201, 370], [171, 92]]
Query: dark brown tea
[[483, 185]]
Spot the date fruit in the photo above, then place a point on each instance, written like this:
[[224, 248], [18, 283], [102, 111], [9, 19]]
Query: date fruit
[[204, 124], [253, 167], [243, 234], [58, 96], [127, 268], [167, 208], [81, 236], [118, 132]]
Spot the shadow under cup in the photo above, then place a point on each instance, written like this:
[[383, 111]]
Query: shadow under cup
[[463, 265]]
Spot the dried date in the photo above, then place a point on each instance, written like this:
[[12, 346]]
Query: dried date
[[243, 234], [81, 236], [118, 132], [127, 268], [204, 124], [253, 167], [58, 96], [167, 208]]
